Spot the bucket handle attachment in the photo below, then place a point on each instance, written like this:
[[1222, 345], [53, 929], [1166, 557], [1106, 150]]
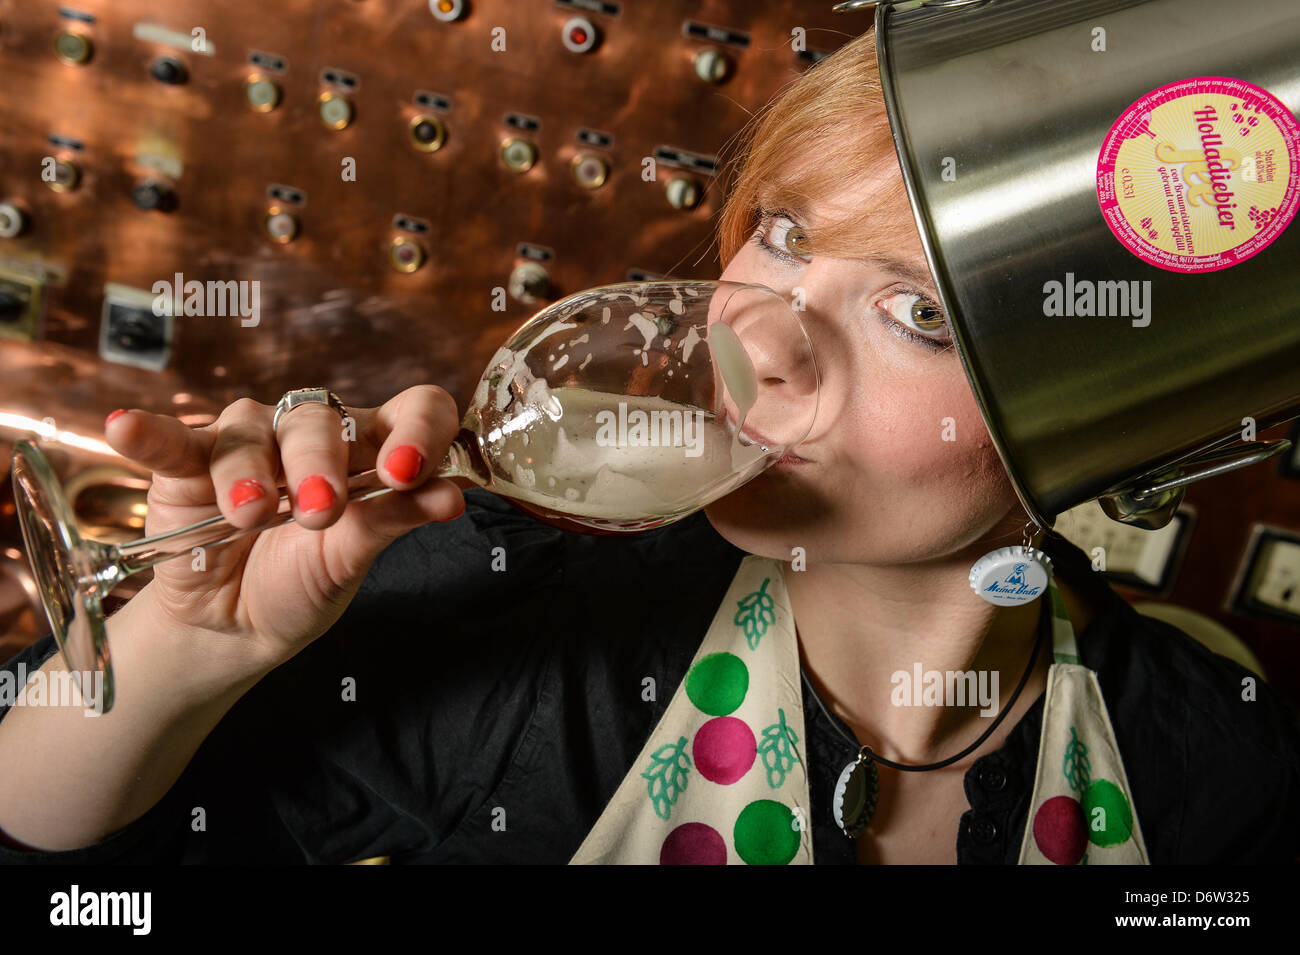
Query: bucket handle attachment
[[1153, 506]]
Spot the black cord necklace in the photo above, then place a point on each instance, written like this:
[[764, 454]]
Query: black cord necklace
[[859, 784]]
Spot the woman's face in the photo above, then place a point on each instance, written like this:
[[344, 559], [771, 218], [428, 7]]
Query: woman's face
[[899, 464]]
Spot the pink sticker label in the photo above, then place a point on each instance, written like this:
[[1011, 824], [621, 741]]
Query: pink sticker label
[[1201, 174]]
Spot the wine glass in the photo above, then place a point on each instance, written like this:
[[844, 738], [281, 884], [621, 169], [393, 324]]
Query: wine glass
[[620, 408]]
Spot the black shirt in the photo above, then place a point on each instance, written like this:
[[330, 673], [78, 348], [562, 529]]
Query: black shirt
[[497, 710]]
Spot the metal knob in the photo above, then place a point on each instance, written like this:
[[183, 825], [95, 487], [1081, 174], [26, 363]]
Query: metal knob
[[169, 70], [73, 48], [590, 171], [427, 133], [262, 92], [683, 192], [519, 155], [712, 65], [12, 220], [579, 35], [280, 226], [529, 283], [66, 176], [406, 255], [447, 10], [152, 195], [335, 110]]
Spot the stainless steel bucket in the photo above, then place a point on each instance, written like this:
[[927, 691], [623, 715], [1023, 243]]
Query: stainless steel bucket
[[1002, 113]]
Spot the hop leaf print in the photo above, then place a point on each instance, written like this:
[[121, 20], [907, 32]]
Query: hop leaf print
[[756, 614], [1076, 767], [668, 770], [778, 750]]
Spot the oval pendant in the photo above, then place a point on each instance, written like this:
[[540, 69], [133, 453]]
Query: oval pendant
[[855, 796]]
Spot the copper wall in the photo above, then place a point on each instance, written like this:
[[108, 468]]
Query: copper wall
[[335, 307], [147, 103]]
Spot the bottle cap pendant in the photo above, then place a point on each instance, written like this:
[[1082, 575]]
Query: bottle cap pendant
[[1011, 575], [855, 796]]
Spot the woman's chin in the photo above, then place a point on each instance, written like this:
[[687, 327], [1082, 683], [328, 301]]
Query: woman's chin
[[766, 510]]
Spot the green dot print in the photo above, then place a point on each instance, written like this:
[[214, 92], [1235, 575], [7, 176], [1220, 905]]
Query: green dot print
[[717, 684], [766, 833], [1105, 795]]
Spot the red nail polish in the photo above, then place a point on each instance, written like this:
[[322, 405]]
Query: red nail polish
[[314, 494], [404, 463], [109, 419], [246, 490]]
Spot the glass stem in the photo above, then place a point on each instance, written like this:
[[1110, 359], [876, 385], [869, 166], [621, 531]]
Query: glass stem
[[140, 554]]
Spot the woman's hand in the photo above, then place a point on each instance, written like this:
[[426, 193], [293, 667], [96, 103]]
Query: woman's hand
[[272, 593]]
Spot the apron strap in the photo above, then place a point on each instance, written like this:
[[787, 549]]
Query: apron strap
[[1081, 808], [1065, 648]]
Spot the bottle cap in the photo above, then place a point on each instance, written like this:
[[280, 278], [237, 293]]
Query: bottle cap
[[1011, 575]]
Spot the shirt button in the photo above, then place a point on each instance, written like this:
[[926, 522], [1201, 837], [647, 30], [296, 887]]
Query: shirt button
[[984, 830], [993, 778]]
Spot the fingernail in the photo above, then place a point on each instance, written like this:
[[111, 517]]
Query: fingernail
[[314, 494], [246, 490], [404, 463], [109, 419]]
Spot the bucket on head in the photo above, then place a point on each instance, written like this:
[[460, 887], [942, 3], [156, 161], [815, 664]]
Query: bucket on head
[[1105, 191]]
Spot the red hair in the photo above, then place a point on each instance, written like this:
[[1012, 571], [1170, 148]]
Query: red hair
[[821, 132]]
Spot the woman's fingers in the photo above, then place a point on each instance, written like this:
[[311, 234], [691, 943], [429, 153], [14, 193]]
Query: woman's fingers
[[314, 455], [413, 430], [245, 463], [383, 519], [169, 448], [240, 460]]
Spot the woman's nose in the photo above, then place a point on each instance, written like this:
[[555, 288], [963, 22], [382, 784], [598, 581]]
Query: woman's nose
[[784, 364]]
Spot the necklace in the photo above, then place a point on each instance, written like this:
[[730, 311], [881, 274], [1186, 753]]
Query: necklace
[[859, 783]]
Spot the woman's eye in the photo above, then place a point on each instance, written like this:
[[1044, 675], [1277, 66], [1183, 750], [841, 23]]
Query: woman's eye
[[919, 317], [783, 237], [788, 236]]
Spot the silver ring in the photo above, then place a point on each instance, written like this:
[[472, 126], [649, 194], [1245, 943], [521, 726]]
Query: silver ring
[[302, 396]]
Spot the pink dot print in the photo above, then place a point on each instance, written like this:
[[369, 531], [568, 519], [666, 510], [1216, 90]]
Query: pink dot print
[[724, 749], [1059, 830], [693, 843]]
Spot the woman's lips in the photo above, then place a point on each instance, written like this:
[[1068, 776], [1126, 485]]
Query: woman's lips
[[788, 458]]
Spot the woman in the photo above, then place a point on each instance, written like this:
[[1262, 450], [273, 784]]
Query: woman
[[433, 676]]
